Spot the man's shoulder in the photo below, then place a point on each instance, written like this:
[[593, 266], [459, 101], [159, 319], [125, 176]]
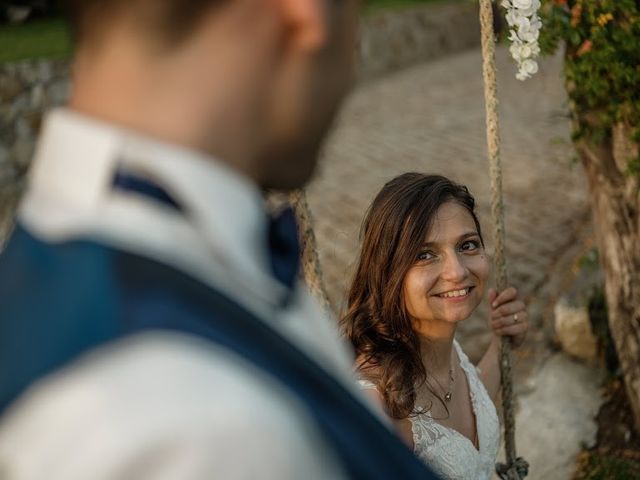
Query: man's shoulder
[[166, 369], [160, 372], [155, 389]]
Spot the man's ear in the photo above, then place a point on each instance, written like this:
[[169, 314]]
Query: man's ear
[[307, 22]]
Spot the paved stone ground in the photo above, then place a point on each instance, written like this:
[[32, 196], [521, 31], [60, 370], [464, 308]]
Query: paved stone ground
[[552, 419], [430, 118]]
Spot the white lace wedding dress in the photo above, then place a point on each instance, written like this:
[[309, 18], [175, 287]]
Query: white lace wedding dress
[[449, 453]]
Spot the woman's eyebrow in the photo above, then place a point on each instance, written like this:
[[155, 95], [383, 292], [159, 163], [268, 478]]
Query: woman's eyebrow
[[462, 237], [468, 235]]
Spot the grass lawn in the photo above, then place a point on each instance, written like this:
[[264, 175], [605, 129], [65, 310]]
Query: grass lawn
[[35, 39]]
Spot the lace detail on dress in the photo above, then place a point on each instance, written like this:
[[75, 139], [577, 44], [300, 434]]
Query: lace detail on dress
[[448, 452]]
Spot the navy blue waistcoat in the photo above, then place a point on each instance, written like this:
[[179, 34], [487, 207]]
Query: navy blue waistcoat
[[58, 301]]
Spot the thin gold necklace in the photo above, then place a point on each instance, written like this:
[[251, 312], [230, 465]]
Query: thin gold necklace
[[448, 393]]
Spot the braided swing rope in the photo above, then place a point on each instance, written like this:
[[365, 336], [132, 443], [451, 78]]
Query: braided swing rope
[[515, 468], [309, 249]]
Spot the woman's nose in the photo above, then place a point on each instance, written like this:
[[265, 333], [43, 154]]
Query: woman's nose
[[453, 269]]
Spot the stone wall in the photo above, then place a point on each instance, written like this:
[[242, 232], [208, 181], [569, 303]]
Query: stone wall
[[27, 89], [389, 41]]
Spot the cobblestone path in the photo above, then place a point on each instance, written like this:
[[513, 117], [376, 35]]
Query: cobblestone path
[[430, 118]]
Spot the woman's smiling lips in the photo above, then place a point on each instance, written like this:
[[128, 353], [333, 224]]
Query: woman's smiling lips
[[456, 294]]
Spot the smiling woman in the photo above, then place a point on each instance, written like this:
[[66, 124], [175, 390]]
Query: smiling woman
[[423, 270]]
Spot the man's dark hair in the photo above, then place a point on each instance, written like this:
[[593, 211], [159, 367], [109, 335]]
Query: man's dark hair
[[166, 21]]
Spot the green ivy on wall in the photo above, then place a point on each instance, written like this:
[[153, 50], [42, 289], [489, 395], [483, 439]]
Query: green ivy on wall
[[602, 62]]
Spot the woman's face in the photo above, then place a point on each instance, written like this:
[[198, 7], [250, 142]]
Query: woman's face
[[447, 281]]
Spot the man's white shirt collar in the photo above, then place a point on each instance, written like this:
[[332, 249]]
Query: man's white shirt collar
[[221, 230]]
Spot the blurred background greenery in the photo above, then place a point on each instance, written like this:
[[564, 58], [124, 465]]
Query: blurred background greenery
[[37, 38], [32, 29]]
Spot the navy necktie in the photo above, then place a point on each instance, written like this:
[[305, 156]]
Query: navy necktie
[[284, 246], [134, 183], [282, 231]]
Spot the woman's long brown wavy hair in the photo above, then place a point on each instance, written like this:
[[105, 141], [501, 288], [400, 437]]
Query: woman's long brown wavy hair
[[376, 321]]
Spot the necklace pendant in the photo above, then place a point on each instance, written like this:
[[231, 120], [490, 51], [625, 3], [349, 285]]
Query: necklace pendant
[[447, 397]]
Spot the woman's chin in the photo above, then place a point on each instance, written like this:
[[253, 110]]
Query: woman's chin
[[456, 320], [457, 316], [456, 313]]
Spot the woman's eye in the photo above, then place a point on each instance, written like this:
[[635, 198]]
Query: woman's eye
[[470, 246], [422, 256]]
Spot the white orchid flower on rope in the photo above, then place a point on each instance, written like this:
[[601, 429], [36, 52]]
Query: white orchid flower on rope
[[524, 30]]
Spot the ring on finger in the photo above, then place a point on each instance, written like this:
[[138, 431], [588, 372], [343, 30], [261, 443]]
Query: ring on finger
[[515, 318]]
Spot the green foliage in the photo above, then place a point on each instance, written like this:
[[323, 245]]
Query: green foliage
[[602, 62], [600, 466], [34, 39]]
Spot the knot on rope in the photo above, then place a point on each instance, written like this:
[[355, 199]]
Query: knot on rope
[[519, 468]]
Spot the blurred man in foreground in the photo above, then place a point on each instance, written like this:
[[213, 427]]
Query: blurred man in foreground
[[152, 326]]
